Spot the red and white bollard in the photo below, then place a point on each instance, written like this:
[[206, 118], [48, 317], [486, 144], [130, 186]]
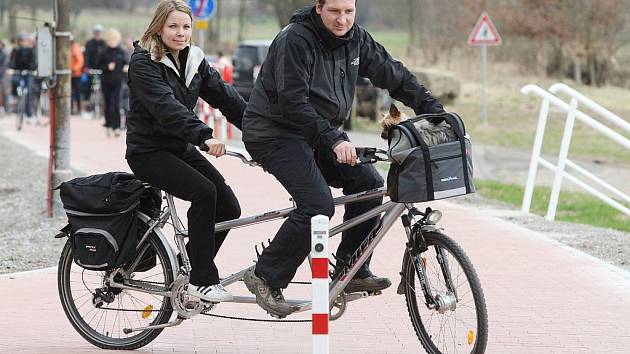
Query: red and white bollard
[[319, 268]]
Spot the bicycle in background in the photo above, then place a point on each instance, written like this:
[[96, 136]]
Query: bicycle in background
[[22, 91], [96, 95]]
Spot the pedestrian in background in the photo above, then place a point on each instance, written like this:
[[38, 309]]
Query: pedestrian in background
[[113, 61], [76, 66], [3, 68], [93, 49], [23, 62]]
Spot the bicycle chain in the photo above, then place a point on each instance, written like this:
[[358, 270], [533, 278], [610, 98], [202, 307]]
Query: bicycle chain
[[214, 315]]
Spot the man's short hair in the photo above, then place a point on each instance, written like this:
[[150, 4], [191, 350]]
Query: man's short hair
[[323, 2]]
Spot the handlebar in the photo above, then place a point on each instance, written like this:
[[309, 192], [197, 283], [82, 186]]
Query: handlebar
[[365, 155], [243, 158], [95, 71], [369, 155], [21, 72]]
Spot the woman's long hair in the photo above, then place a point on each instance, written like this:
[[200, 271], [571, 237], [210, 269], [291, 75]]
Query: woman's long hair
[[150, 40]]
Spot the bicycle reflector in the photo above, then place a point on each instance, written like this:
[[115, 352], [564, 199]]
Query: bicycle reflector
[[433, 217]]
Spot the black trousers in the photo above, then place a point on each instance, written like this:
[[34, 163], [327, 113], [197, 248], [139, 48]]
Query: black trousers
[[190, 176], [76, 93], [111, 95], [307, 174]]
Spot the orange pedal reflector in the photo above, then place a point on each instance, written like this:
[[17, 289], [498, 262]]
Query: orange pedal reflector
[[471, 337], [147, 311]]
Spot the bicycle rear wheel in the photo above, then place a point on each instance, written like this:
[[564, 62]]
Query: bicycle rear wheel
[[81, 291], [460, 323]]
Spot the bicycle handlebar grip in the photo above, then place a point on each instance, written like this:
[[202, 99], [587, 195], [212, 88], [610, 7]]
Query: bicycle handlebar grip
[[203, 147]]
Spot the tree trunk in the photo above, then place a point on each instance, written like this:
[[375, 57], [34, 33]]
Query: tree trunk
[[61, 126], [241, 20], [217, 18], [577, 70], [592, 72], [411, 29], [12, 20], [3, 6]]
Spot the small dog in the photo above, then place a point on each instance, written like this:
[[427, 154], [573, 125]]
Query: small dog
[[432, 134], [394, 117]]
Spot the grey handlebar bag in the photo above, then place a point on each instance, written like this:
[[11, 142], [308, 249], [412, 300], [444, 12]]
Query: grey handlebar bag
[[429, 161]]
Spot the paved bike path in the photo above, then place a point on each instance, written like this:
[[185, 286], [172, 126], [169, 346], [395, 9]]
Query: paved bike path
[[542, 296]]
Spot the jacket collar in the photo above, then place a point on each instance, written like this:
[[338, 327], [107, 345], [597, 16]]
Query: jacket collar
[[195, 57]]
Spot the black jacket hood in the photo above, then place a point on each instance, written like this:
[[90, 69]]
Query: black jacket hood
[[308, 17]]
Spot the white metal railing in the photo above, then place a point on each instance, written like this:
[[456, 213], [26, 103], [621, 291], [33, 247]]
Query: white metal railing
[[573, 113]]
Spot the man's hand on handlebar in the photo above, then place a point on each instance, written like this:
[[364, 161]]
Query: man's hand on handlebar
[[346, 153], [215, 147]]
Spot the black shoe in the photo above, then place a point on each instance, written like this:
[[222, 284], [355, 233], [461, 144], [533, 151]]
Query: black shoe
[[270, 299], [371, 283]]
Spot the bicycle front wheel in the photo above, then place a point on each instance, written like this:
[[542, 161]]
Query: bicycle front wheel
[[99, 312], [456, 320], [20, 109]]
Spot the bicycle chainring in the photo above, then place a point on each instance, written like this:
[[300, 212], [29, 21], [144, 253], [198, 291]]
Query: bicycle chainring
[[181, 302]]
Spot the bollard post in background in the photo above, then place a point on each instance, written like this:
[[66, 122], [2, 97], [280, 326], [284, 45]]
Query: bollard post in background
[[319, 268]]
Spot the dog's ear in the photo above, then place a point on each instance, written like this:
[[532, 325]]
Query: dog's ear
[[393, 111]]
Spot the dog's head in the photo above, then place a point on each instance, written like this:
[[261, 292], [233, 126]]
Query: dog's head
[[392, 118]]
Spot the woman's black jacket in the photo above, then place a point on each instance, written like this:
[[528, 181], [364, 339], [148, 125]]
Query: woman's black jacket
[[161, 113], [112, 55]]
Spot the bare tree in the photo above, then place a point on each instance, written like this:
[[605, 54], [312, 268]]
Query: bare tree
[[241, 20], [588, 32], [283, 9]]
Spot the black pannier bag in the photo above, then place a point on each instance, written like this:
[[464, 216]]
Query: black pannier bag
[[101, 211], [430, 160]]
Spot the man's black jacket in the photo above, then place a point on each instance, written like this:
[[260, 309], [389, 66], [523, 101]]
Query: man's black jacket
[[93, 49], [23, 58], [306, 85], [162, 99]]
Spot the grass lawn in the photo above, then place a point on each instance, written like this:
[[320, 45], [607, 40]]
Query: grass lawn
[[573, 207]]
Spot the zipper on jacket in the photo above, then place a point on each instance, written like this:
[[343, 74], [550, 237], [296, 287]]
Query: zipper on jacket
[[343, 93], [334, 81]]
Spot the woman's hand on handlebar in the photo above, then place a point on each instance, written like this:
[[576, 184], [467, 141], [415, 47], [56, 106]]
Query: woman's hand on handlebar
[[215, 147]]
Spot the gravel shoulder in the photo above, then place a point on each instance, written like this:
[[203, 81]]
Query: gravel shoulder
[[26, 234], [27, 243]]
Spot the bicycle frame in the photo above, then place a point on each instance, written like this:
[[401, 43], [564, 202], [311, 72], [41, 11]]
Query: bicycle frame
[[392, 212]]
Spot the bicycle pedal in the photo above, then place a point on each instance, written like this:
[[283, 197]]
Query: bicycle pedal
[[276, 316]]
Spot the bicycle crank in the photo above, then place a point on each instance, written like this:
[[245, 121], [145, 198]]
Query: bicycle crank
[[338, 307]]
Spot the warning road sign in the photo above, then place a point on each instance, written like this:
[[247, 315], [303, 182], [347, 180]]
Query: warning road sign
[[484, 32]]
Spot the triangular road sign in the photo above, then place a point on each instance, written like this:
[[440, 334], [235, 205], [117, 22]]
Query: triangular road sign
[[484, 32]]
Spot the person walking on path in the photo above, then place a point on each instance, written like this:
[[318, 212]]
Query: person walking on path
[[166, 77], [93, 50], [113, 62], [303, 94], [23, 62], [76, 66], [3, 69]]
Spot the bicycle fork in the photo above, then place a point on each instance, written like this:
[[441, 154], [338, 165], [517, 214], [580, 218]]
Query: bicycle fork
[[416, 246]]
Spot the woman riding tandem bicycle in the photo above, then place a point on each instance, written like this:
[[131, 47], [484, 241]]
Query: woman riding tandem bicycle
[[166, 75]]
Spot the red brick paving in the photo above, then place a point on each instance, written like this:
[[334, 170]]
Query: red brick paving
[[542, 296]]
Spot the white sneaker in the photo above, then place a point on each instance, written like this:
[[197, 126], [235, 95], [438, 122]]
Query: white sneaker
[[210, 293]]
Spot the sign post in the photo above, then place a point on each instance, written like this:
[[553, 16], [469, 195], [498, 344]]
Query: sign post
[[484, 34], [203, 10]]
